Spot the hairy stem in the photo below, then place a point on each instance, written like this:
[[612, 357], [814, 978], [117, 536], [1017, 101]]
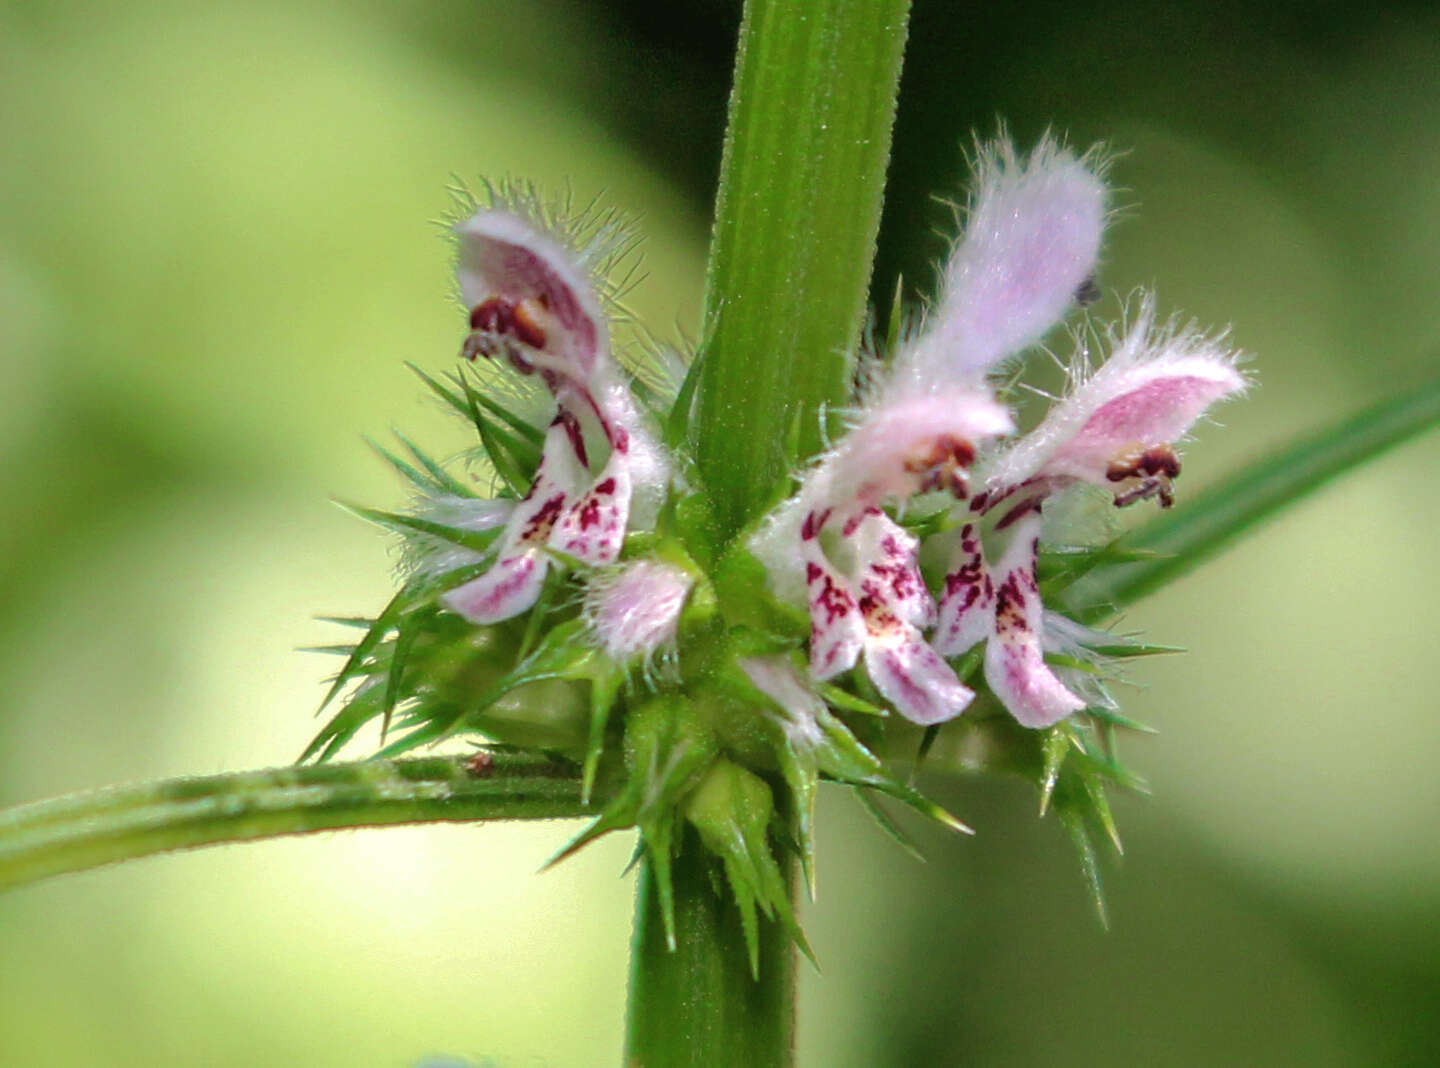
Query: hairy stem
[[86, 830], [698, 1006], [795, 223]]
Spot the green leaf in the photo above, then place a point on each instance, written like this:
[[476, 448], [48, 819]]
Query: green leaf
[[1196, 530]]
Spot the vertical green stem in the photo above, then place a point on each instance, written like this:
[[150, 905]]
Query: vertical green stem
[[698, 1006], [795, 223], [796, 216]]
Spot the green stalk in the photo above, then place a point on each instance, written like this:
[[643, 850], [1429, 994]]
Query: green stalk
[[86, 830], [794, 236], [798, 208], [698, 1006]]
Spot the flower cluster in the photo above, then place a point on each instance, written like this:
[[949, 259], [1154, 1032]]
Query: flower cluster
[[1028, 254], [584, 607]]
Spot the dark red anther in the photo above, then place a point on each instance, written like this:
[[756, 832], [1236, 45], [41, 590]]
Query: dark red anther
[[1160, 459], [493, 316]]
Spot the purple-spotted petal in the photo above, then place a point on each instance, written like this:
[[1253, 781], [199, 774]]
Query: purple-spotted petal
[[966, 614], [912, 676], [512, 585], [890, 567], [837, 630], [593, 528], [1015, 667]]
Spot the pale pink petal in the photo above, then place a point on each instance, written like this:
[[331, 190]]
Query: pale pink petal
[[904, 445], [634, 610], [1030, 242], [912, 676], [510, 587], [966, 614], [1155, 385], [1015, 667]]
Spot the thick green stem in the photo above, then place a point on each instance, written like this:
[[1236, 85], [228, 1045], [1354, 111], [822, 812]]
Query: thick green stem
[[795, 223], [86, 830], [698, 1006]]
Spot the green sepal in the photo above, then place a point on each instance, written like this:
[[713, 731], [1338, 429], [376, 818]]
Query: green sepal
[[1059, 567], [1055, 745], [732, 810], [669, 743], [505, 451], [842, 757], [351, 669], [677, 423], [410, 525], [603, 691], [846, 701], [417, 478], [1071, 811], [882, 818], [461, 405], [561, 654]]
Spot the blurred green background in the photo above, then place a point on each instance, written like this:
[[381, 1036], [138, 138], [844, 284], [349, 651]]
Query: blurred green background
[[215, 253]]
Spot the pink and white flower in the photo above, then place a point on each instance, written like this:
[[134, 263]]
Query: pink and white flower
[[534, 304], [1116, 428], [1030, 244]]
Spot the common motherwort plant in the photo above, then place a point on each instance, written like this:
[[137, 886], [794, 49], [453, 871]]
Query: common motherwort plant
[[585, 605], [677, 593]]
